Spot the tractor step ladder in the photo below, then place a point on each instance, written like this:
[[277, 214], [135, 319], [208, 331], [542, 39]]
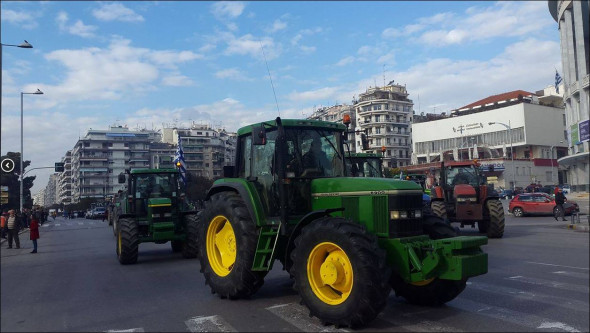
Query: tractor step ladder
[[266, 247]]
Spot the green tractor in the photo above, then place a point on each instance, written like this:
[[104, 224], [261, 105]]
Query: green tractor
[[345, 241], [152, 209], [364, 165]]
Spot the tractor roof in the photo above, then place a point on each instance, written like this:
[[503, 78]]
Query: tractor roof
[[294, 123], [138, 171]]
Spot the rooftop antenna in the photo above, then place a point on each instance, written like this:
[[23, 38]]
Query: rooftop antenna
[[384, 75], [270, 77]]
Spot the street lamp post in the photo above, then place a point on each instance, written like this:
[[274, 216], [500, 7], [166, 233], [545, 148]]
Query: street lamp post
[[552, 161], [511, 148], [38, 92], [24, 45]]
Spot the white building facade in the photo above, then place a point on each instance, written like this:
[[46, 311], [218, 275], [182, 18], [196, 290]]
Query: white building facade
[[573, 22], [536, 131]]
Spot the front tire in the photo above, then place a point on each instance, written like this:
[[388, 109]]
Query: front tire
[[495, 227], [439, 209], [190, 247], [517, 212], [127, 241], [340, 272], [227, 239]]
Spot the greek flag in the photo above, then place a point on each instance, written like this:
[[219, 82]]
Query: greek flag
[[179, 161], [557, 81]]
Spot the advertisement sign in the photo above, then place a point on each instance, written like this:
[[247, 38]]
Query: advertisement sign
[[498, 166], [583, 131], [575, 136]]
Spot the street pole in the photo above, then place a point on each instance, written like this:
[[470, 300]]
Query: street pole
[[38, 92], [509, 127], [552, 163]]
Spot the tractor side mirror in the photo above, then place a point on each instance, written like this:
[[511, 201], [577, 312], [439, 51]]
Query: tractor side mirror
[[258, 135], [121, 178], [228, 171], [364, 141]]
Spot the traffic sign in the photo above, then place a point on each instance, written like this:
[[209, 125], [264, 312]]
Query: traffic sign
[[7, 165]]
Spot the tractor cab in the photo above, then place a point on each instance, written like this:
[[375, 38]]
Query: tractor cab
[[364, 165]]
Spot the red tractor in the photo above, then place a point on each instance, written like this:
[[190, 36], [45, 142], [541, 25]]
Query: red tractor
[[462, 195]]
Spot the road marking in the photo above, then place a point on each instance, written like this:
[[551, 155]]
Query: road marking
[[209, 324], [298, 316], [57, 224], [541, 263], [567, 303], [413, 323], [548, 283], [139, 329], [515, 317], [561, 326], [80, 223], [573, 274]]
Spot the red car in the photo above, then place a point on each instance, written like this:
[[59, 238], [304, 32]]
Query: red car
[[538, 203]]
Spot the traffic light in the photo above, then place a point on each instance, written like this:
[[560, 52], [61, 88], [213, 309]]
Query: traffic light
[[59, 167]]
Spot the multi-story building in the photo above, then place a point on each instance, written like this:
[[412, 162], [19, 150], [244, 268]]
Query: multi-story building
[[101, 155], [385, 114], [39, 198], [518, 132], [336, 114], [206, 150], [162, 155], [51, 190], [572, 18], [64, 187]]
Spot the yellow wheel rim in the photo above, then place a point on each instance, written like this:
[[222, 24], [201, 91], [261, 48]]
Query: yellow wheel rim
[[330, 273], [422, 283], [119, 241], [221, 245]]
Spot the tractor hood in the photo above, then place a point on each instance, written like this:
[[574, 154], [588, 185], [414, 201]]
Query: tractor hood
[[159, 202], [342, 186]]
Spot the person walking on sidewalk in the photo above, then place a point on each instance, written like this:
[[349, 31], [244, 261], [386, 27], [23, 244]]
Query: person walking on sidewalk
[[34, 231], [560, 199], [13, 225]]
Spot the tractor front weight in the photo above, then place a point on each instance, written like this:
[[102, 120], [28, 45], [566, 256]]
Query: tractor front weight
[[420, 258]]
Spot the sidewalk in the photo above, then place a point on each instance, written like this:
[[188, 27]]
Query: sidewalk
[[4, 240]]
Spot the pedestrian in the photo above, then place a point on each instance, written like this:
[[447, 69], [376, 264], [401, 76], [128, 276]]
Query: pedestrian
[[13, 224], [34, 230], [560, 199], [3, 218]]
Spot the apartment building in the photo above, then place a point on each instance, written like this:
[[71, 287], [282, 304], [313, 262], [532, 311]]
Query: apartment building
[[64, 184], [206, 150], [51, 190], [39, 198], [572, 18], [336, 114], [385, 114]]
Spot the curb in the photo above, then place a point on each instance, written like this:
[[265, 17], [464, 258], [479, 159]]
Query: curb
[[579, 227]]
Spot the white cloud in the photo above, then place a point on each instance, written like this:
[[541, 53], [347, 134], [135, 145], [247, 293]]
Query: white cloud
[[227, 9], [277, 25], [78, 28], [23, 19], [116, 12], [307, 49], [312, 95], [250, 45], [345, 61], [232, 74], [177, 80]]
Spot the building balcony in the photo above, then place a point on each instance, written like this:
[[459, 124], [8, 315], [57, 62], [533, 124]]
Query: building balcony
[[98, 157]]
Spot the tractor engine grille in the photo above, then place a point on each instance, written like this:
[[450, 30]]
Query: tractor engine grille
[[407, 210], [161, 214]]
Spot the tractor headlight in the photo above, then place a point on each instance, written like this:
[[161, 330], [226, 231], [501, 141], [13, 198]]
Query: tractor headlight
[[394, 215], [155, 215], [167, 214], [403, 214], [418, 214], [472, 199]]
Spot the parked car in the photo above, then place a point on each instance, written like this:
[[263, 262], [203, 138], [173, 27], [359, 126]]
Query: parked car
[[538, 203], [88, 214], [506, 194], [549, 189], [99, 213], [565, 188]]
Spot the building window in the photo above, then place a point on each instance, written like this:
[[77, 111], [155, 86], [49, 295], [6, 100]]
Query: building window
[[377, 119]]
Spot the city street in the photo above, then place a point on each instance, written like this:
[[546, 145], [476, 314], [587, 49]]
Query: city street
[[538, 280]]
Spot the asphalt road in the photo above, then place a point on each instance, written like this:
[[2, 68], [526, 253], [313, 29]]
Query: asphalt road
[[538, 280]]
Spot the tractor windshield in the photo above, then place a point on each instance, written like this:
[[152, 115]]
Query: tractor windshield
[[155, 185], [364, 167], [462, 175], [313, 153]]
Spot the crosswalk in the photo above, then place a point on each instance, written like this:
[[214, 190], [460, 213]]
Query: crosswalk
[[513, 303], [72, 223]]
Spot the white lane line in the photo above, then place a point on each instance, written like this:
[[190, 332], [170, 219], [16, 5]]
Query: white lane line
[[413, 323], [507, 315], [542, 263], [548, 283], [209, 324], [573, 274], [566, 303], [139, 329], [45, 226], [80, 223], [57, 224], [298, 316]]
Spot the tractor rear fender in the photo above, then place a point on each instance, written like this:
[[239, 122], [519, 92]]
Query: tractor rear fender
[[305, 220], [248, 193], [124, 216]]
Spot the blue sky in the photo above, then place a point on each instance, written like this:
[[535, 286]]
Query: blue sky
[[143, 63]]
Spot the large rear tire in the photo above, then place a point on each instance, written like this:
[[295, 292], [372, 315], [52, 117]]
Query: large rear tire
[[340, 272], [495, 227], [127, 241], [436, 228], [190, 247], [439, 209], [227, 239], [431, 292]]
